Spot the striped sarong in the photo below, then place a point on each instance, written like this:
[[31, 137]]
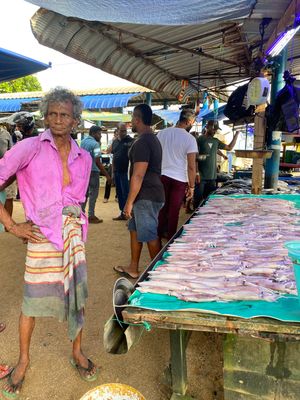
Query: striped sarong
[[56, 281]]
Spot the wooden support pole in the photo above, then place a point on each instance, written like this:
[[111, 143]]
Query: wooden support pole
[[259, 142]]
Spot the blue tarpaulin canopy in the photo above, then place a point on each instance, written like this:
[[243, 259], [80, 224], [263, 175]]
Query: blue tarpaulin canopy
[[13, 65], [159, 12], [107, 100], [96, 101], [173, 116]]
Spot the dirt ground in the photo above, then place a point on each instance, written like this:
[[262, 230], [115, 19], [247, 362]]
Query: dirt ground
[[50, 376]]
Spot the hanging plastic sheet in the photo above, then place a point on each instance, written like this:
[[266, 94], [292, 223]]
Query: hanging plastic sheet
[[159, 12]]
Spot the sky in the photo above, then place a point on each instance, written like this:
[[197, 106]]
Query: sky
[[16, 35]]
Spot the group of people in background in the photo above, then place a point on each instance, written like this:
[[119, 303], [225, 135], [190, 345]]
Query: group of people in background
[[164, 169]]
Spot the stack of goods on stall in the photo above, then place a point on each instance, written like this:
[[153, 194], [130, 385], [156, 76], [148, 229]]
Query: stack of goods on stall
[[231, 249]]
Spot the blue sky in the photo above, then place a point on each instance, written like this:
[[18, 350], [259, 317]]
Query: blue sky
[[16, 35]]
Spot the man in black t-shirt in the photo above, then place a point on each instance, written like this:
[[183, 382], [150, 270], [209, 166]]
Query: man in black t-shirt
[[120, 150], [146, 194]]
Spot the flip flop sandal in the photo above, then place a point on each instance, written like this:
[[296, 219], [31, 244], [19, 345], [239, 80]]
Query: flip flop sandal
[[84, 373], [2, 326], [5, 370], [14, 388], [119, 270]]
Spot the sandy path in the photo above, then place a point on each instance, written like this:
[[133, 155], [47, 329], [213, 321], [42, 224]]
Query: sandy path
[[50, 376]]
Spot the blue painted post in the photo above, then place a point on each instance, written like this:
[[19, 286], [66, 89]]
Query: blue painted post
[[216, 109], [274, 138], [166, 106], [149, 98]]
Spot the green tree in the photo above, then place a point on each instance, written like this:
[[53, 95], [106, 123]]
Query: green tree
[[26, 84]]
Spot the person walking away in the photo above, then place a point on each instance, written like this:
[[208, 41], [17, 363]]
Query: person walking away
[[208, 147], [92, 144], [52, 173], [179, 150], [120, 151], [146, 193]]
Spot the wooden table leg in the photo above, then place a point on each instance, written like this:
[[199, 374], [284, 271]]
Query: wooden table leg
[[178, 343]]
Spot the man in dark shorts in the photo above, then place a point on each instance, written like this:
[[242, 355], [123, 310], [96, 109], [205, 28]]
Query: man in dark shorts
[[146, 193]]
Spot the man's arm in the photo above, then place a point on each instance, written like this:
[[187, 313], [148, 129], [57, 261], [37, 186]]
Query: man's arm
[[23, 230], [136, 180], [231, 145], [221, 154], [7, 183], [191, 166], [102, 169]]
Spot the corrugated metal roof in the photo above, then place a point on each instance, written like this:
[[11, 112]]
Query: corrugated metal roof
[[85, 92], [162, 57]]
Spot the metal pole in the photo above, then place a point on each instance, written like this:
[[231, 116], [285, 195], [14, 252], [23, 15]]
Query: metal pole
[[274, 138], [166, 106], [149, 98]]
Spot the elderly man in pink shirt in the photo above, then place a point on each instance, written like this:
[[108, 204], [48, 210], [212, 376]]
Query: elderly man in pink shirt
[[53, 174]]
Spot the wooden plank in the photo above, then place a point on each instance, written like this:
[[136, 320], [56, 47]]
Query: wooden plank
[[285, 21], [259, 141], [197, 321]]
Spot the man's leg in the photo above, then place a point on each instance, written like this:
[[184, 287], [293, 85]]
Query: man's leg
[[124, 184], [93, 192], [163, 214], [136, 248], [118, 189], [177, 192], [26, 326], [154, 247], [79, 358]]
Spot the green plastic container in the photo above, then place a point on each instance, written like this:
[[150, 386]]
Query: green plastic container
[[294, 254]]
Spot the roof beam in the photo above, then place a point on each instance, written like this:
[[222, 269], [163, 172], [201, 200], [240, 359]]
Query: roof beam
[[286, 20], [197, 52], [160, 50]]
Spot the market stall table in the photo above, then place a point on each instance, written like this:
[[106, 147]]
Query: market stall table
[[261, 339]]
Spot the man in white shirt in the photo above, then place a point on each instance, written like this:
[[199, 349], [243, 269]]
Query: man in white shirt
[[179, 149]]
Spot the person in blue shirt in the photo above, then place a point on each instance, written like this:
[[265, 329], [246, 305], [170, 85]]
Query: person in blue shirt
[[92, 144]]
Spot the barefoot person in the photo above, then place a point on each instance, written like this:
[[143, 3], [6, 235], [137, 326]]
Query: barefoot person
[[146, 193], [53, 175]]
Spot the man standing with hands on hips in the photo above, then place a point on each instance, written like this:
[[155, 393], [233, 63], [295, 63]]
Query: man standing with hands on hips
[[53, 174]]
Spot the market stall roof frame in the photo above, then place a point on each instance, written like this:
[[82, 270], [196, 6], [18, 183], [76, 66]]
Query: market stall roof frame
[[14, 65], [163, 57]]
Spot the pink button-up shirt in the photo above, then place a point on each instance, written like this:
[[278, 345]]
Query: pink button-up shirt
[[38, 167]]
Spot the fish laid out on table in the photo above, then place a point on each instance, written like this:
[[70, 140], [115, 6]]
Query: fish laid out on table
[[232, 249]]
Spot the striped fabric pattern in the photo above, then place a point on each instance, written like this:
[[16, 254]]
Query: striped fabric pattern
[[56, 281]]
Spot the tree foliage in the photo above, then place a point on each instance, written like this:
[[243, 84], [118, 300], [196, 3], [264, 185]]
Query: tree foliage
[[26, 84]]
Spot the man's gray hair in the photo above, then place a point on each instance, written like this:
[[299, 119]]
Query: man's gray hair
[[61, 95]]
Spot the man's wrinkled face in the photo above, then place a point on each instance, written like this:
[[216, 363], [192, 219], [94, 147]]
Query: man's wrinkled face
[[60, 118]]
